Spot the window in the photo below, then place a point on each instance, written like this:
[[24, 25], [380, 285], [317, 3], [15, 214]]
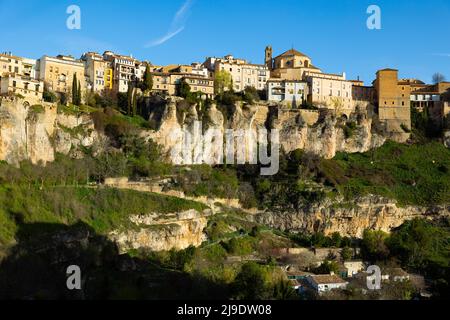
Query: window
[[14, 84]]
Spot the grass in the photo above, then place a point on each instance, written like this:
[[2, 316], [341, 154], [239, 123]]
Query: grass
[[103, 209], [411, 174], [74, 110]]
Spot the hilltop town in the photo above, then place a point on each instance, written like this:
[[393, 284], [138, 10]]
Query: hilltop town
[[290, 79]]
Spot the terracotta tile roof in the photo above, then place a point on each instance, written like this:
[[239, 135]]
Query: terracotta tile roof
[[293, 52]]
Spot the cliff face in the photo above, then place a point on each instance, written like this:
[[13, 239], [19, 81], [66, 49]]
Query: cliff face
[[37, 133], [163, 232], [371, 212], [319, 133]]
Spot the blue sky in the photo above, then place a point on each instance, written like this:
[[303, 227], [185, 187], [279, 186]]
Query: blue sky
[[414, 37]]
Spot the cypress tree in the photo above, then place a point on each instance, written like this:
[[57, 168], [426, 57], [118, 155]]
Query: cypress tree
[[79, 94], [74, 89], [147, 84]]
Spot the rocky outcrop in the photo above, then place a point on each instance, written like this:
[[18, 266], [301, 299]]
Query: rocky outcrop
[[158, 232], [320, 133], [37, 133], [349, 219]]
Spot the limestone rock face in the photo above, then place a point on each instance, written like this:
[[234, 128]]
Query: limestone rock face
[[163, 232], [371, 212], [323, 135], [36, 133]]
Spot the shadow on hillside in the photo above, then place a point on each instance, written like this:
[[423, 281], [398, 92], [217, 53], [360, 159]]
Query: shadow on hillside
[[36, 269]]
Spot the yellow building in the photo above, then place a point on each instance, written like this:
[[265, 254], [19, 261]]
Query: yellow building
[[99, 72], [58, 73], [393, 100]]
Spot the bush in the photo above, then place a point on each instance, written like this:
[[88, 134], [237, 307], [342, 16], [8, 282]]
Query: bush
[[49, 96]]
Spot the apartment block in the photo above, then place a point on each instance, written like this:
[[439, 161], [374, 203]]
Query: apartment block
[[244, 74], [168, 83], [99, 72], [125, 70], [330, 91], [292, 92], [57, 73], [18, 65], [30, 89]]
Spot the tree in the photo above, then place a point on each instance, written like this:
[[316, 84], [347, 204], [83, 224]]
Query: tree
[[130, 99], [79, 94], [184, 89], [250, 283], [346, 253], [223, 81], [49, 96], [327, 267], [438, 77], [74, 90], [373, 246], [251, 95], [147, 82]]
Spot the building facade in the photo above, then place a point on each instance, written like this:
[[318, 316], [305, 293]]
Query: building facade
[[99, 72], [57, 73], [19, 85], [125, 70], [168, 83], [393, 101], [244, 74], [18, 65], [292, 92], [325, 283], [330, 91]]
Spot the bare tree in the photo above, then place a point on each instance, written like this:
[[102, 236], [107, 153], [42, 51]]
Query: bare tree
[[438, 77]]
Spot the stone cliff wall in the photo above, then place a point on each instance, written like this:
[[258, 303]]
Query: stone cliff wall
[[371, 212], [37, 133], [163, 232], [321, 134]]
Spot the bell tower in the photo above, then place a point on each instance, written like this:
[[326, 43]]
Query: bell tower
[[269, 57]]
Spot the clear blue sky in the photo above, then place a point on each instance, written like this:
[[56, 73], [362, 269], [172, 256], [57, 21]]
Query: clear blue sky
[[414, 37]]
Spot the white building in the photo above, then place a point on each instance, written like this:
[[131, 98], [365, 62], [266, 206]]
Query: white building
[[324, 283], [354, 267], [125, 70], [244, 74], [290, 91], [200, 69]]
